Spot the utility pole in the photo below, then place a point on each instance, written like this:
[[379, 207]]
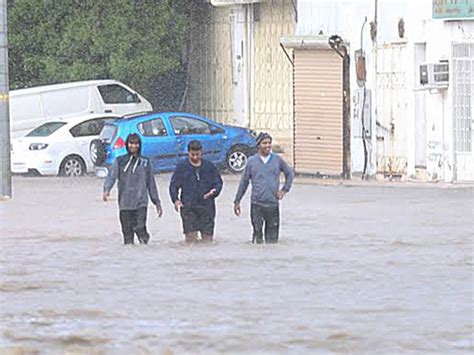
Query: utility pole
[[5, 167]]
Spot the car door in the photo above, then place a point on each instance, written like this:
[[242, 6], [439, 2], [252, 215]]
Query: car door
[[157, 144], [187, 128], [217, 143], [84, 133]]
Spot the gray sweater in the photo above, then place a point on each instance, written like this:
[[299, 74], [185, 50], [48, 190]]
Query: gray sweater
[[135, 182], [265, 180]]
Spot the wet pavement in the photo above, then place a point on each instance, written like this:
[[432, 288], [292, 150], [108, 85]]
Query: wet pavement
[[361, 269]]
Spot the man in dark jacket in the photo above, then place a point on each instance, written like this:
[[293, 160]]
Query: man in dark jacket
[[135, 183], [194, 186], [264, 170]]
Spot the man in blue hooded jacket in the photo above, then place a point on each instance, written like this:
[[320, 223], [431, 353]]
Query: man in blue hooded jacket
[[195, 184], [135, 183]]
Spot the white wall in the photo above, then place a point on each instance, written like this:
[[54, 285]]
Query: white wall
[[345, 18], [440, 151]]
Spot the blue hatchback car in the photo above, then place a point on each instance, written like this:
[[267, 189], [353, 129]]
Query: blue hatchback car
[[165, 137]]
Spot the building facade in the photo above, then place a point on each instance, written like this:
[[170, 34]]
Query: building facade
[[413, 130], [405, 120]]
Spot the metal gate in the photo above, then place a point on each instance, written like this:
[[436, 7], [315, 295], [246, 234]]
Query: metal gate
[[463, 87], [272, 87], [391, 103], [210, 88]]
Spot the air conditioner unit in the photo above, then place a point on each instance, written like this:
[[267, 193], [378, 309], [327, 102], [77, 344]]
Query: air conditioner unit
[[435, 75]]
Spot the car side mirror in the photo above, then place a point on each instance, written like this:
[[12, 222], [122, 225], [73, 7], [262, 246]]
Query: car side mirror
[[215, 130]]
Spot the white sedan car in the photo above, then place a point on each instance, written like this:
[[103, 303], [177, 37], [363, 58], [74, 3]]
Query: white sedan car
[[58, 147]]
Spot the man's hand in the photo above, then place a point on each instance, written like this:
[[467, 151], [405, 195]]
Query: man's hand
[[210, 194], [237, 210], [281, 194], [178, 205], [159, 211], [106, 196]]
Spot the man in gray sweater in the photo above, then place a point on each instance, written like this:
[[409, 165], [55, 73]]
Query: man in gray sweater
[[263, 170], [135, 182]]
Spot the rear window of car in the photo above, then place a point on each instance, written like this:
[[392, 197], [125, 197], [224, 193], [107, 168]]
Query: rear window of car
[[46, 129], [108, 133]]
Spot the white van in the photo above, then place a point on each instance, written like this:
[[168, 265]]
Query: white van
[[31, 107]]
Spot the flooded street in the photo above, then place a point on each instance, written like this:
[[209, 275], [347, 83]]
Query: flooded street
[[359, 269]]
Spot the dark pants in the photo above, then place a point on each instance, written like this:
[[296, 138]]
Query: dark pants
[[134, 222], [198, 219], [270, 216]]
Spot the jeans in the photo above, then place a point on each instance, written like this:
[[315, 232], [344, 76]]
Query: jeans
[[134, 222], [268, 216]]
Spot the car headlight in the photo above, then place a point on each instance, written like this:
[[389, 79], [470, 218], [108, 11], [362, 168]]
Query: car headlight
[[38, 146]]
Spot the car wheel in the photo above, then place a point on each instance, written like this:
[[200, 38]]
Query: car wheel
[[237, 158], [72, 166], [97, 152]]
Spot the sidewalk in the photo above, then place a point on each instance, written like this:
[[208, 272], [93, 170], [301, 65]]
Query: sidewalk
[[358, 182]]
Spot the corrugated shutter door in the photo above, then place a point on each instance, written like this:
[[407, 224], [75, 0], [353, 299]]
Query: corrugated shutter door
[[318, 111]]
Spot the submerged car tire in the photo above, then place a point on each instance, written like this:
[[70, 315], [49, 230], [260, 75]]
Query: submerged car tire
[[72, 166], [97, 152], [237, 158]]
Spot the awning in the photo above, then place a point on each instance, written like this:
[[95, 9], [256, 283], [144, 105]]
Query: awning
[[307, 42], [232, 2]]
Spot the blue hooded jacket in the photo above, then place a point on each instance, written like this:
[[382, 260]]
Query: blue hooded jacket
[[189, 184]]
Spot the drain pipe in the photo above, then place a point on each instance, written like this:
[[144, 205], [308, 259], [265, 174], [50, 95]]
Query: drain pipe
[[336, 43], [364, 138]]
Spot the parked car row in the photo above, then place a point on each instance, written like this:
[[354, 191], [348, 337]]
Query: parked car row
[[58, 147], [34, 106], [90, 143]]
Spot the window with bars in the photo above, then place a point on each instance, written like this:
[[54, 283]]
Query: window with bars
[[463, 87]]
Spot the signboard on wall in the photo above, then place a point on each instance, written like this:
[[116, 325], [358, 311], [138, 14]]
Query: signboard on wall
[[453, 9]]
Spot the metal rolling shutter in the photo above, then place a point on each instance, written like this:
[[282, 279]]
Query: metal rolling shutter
[[318, 143]]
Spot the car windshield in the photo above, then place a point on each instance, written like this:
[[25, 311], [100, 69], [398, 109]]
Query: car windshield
[[46, 129], [108, 133]]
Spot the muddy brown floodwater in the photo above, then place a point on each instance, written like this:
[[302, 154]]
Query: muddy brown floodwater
[[359, 269]]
